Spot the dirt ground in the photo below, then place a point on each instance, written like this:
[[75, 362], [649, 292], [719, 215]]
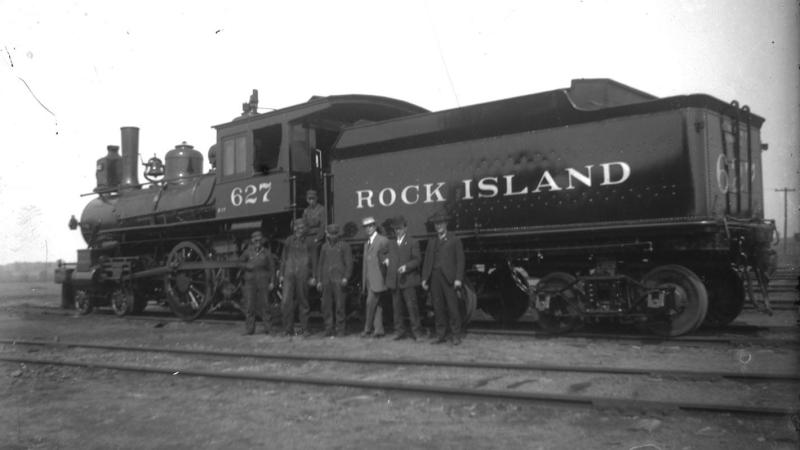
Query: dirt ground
[[65, 407]]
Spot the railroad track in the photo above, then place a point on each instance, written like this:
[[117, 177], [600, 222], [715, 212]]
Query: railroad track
[[723, 339], [497, 381], [782, 290], [732, 335]]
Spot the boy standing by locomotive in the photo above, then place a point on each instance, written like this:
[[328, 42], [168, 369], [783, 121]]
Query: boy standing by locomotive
[[333, 271], [444, 270], [402, 279], [258, 283], [298, 264], [314, 216]]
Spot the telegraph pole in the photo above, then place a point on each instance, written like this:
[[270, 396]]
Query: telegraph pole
[[785, 210]]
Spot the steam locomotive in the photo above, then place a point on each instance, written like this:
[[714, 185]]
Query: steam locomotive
[[590, 203]]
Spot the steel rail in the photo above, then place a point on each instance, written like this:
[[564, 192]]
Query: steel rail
[[665, 373], [597, 402], [743, 340]]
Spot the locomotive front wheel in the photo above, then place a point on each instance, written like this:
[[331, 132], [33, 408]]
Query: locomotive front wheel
[[557, 303], [83, 302], [122, 301], [188, 290], [687, 307]]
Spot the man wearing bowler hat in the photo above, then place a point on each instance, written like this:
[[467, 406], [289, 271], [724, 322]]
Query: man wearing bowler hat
[[402, 279], [372, 277], [443, 273], [333, 273]]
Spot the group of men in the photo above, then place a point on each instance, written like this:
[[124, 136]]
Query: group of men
[[315, 255]]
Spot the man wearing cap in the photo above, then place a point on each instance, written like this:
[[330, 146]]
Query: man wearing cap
[[333, 272], [372, 277], [258, 283], [444, 271], [298, 264], [314, 215], [402, 279]]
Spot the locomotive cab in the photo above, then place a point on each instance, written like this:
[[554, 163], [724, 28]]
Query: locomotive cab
[[266, 162]]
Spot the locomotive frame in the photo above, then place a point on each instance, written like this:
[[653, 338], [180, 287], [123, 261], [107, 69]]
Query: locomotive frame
[[589, 203]]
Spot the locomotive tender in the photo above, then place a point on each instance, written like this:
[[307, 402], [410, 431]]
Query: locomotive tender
[[617, 204]]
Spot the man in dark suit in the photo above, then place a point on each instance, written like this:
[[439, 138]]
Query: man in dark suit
[[402, 279], [443, 272], [372, 277]]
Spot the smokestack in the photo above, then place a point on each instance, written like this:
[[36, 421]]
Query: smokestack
[[130, 158]]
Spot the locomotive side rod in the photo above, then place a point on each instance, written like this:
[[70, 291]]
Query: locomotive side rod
[[208, 265], [592, 401]]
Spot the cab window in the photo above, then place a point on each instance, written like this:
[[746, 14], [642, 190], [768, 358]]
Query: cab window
[[234, 156], [266, 148]]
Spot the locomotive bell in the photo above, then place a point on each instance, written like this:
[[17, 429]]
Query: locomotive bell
[[183, 162]]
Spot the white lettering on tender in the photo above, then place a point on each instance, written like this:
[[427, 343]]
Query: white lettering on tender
[[364, 196], [467, 190], [404, 194], [429, 194], [626, 172], [392, 197], [547, 181], [614, 173], [491, 188], [510, 190], [585, 179]]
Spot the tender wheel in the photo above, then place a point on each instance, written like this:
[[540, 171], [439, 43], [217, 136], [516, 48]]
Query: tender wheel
[[188, 289], [505, 294], [725, 298], [557, 303], [122, 301], [684, 308], [83, 302]]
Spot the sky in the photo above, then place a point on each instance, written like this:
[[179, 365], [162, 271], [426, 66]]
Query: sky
[[72, 73]]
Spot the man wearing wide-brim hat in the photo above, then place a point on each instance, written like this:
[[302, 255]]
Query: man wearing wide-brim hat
[[333, 273], [372, 277], [443, 273]]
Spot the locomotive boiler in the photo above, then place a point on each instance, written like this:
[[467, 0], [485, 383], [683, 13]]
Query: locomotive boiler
[[594, 202]]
